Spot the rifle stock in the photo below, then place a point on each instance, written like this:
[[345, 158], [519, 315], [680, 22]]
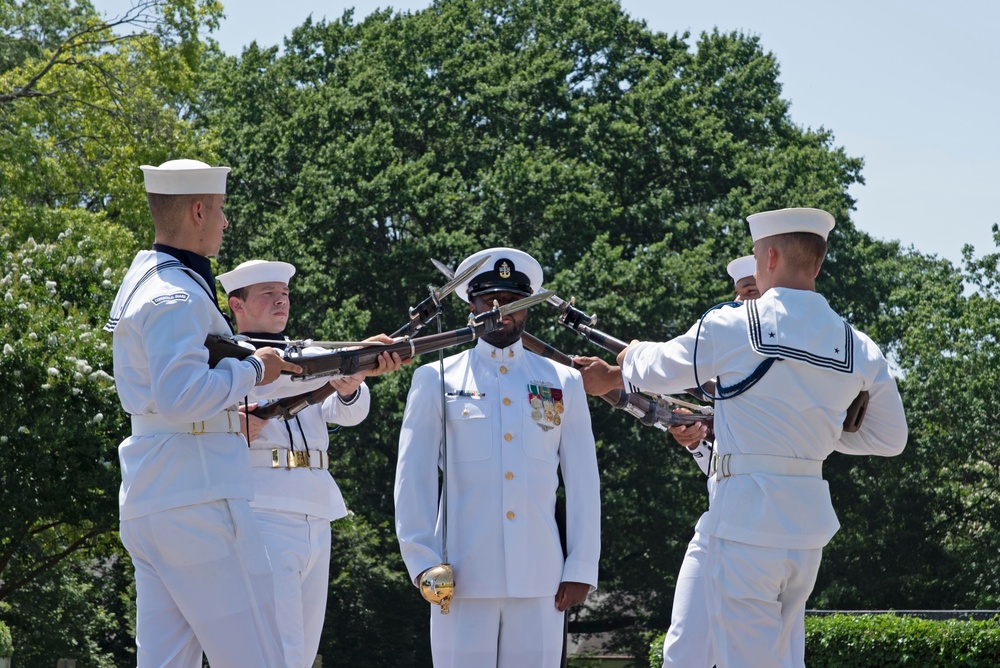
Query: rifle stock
[[289, 407]]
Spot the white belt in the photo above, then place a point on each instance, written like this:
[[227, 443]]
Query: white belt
[[724, 466], [280, 458], [226, 422]]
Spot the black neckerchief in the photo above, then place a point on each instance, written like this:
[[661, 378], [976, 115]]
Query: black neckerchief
[[200, 265], [279, 338]]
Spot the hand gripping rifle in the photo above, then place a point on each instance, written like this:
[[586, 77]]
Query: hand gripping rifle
[[573, 318], [363, 356], [645, 409]]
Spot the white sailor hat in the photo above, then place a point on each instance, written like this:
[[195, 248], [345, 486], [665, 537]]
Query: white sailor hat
[[785, 221], [256, 271], [185, 177], [507, 270], [741, 267]]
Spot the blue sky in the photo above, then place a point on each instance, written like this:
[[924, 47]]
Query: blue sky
[[911, 86]]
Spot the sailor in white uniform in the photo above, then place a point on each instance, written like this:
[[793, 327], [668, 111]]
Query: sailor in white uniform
[[295, 497], [514, 421], [203, 582], [791, 367]]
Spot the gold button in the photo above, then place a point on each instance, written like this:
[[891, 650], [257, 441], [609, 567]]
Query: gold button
[[507, 437], [509, 476], [503, 369], [465, 411], [506, 401], [510, 514]]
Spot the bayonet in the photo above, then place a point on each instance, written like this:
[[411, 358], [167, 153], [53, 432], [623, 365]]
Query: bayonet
[[431, 307]]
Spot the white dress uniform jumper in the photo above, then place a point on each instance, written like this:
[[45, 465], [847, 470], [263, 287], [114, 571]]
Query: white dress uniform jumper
[[770, 511], [203, 581]]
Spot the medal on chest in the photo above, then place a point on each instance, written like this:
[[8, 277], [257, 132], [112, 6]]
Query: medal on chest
[[546, 404]]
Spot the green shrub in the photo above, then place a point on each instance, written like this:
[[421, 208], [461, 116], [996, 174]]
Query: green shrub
[[6, 643], [888, 640]]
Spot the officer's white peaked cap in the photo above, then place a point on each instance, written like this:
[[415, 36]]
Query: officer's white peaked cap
[[741, 267], [256, 271], [507, 270], [185, 177], [786, 221]]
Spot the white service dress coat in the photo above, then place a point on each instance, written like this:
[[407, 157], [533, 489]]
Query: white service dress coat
[[503, 459], [796, 410]]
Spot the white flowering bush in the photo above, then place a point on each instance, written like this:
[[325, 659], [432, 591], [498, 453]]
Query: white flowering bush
[[61, 421]]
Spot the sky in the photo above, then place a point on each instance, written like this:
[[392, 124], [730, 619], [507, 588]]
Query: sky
[[910, 86]]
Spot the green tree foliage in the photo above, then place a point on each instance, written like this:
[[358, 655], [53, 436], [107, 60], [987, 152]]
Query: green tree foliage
[[623, 159], [84, 101]]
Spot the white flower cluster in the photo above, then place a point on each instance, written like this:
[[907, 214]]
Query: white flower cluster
[[101, 375]]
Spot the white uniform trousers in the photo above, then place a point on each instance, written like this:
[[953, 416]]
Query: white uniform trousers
[[688, 643], [299, 548], [203, 583], [757, 602], [497, 633]]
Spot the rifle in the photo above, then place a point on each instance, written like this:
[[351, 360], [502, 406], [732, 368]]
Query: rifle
[[419, 317], [364, 356], [583, 324], [647, 410]]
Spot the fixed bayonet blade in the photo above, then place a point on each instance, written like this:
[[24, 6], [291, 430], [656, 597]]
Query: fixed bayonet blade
[[521, 304], [443, 268], [455, 281]]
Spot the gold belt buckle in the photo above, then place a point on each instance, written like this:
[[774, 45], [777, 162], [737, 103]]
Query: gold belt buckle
[[195, 430], [721, 466], [298, 459]]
